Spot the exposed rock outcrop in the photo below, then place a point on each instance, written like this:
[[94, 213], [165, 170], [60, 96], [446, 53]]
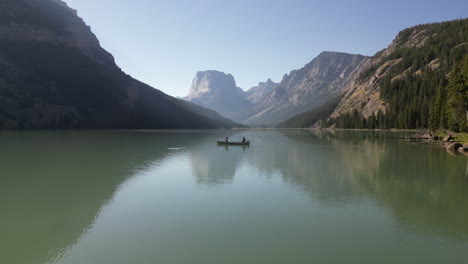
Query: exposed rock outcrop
[[261, 91], [363, 90], [447, 138], [454, 146], [301, 90], [218, 91], [269, 103]]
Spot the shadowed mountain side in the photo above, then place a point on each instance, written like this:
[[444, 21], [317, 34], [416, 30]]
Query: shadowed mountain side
[[54, 74], [314, 118], [54, 187]]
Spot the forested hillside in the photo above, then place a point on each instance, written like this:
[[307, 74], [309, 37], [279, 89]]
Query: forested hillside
[[317, 116], [423, 85]]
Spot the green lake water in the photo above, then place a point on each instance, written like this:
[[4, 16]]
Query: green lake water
[[176, 197]]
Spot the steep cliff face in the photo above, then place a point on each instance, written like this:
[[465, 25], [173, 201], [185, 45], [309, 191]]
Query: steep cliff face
[[301, 90], [218, 91], [262, 90], [213, 83], [363, 90], [54, 74], [269, 103], [364, 95]]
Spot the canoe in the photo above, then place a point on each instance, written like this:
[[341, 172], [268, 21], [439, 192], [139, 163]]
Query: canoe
[[247, 143]]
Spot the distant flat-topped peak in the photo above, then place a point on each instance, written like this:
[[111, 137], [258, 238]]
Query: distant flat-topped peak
[[213, 72], [210, 81], [218, 90]]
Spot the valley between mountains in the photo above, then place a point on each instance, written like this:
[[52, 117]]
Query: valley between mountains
[[54, 74], [419, 81]]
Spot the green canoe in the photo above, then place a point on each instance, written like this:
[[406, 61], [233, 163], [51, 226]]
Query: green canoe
[[234, 143]]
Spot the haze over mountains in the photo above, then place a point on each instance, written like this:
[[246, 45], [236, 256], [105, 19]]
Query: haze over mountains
[[218, 91], [270, 103], [395, 88], [55, 74]]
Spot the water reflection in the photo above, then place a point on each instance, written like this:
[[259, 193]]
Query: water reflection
[[213, 165], [54, 184], [422, 186]]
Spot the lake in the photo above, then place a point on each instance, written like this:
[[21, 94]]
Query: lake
[[176, 197]]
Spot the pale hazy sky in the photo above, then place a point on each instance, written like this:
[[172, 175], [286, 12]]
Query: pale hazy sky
[[164, 43]]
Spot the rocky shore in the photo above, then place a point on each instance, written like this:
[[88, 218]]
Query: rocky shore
[[453, 144]]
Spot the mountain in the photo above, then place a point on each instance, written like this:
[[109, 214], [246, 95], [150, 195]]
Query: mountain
[[312, 118], [262, 90], [419, 81], [218, 91], [269, 103], [304, 89], [55, 74]]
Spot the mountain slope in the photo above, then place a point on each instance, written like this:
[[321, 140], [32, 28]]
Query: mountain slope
[[313, 118], [258, 93], [302, 90], [54, 74], [397, 87]]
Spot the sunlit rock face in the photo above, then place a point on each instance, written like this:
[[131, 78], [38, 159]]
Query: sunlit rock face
[[218, 91], [270, 103], [304, 89], [363, 94]]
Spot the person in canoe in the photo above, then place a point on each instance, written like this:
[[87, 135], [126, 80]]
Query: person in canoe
[[243, 139], [226, 140]]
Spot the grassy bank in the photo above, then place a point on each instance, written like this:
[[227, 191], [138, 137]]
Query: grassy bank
[[463, 136]]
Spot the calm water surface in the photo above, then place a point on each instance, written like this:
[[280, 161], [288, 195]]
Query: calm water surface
[[177, 197]]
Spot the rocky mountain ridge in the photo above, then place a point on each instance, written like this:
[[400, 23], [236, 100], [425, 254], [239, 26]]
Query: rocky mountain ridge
[[418, 81], [269, 103], [263, 89], [364, 90], [301, 90], [395, 88], [364, 94]]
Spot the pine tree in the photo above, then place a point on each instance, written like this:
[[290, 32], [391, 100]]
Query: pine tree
[[437, 107], [456, 101], [465, 97], [443, 117]]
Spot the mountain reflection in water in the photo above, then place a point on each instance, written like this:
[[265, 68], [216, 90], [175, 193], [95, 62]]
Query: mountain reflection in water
[[56, 185]]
